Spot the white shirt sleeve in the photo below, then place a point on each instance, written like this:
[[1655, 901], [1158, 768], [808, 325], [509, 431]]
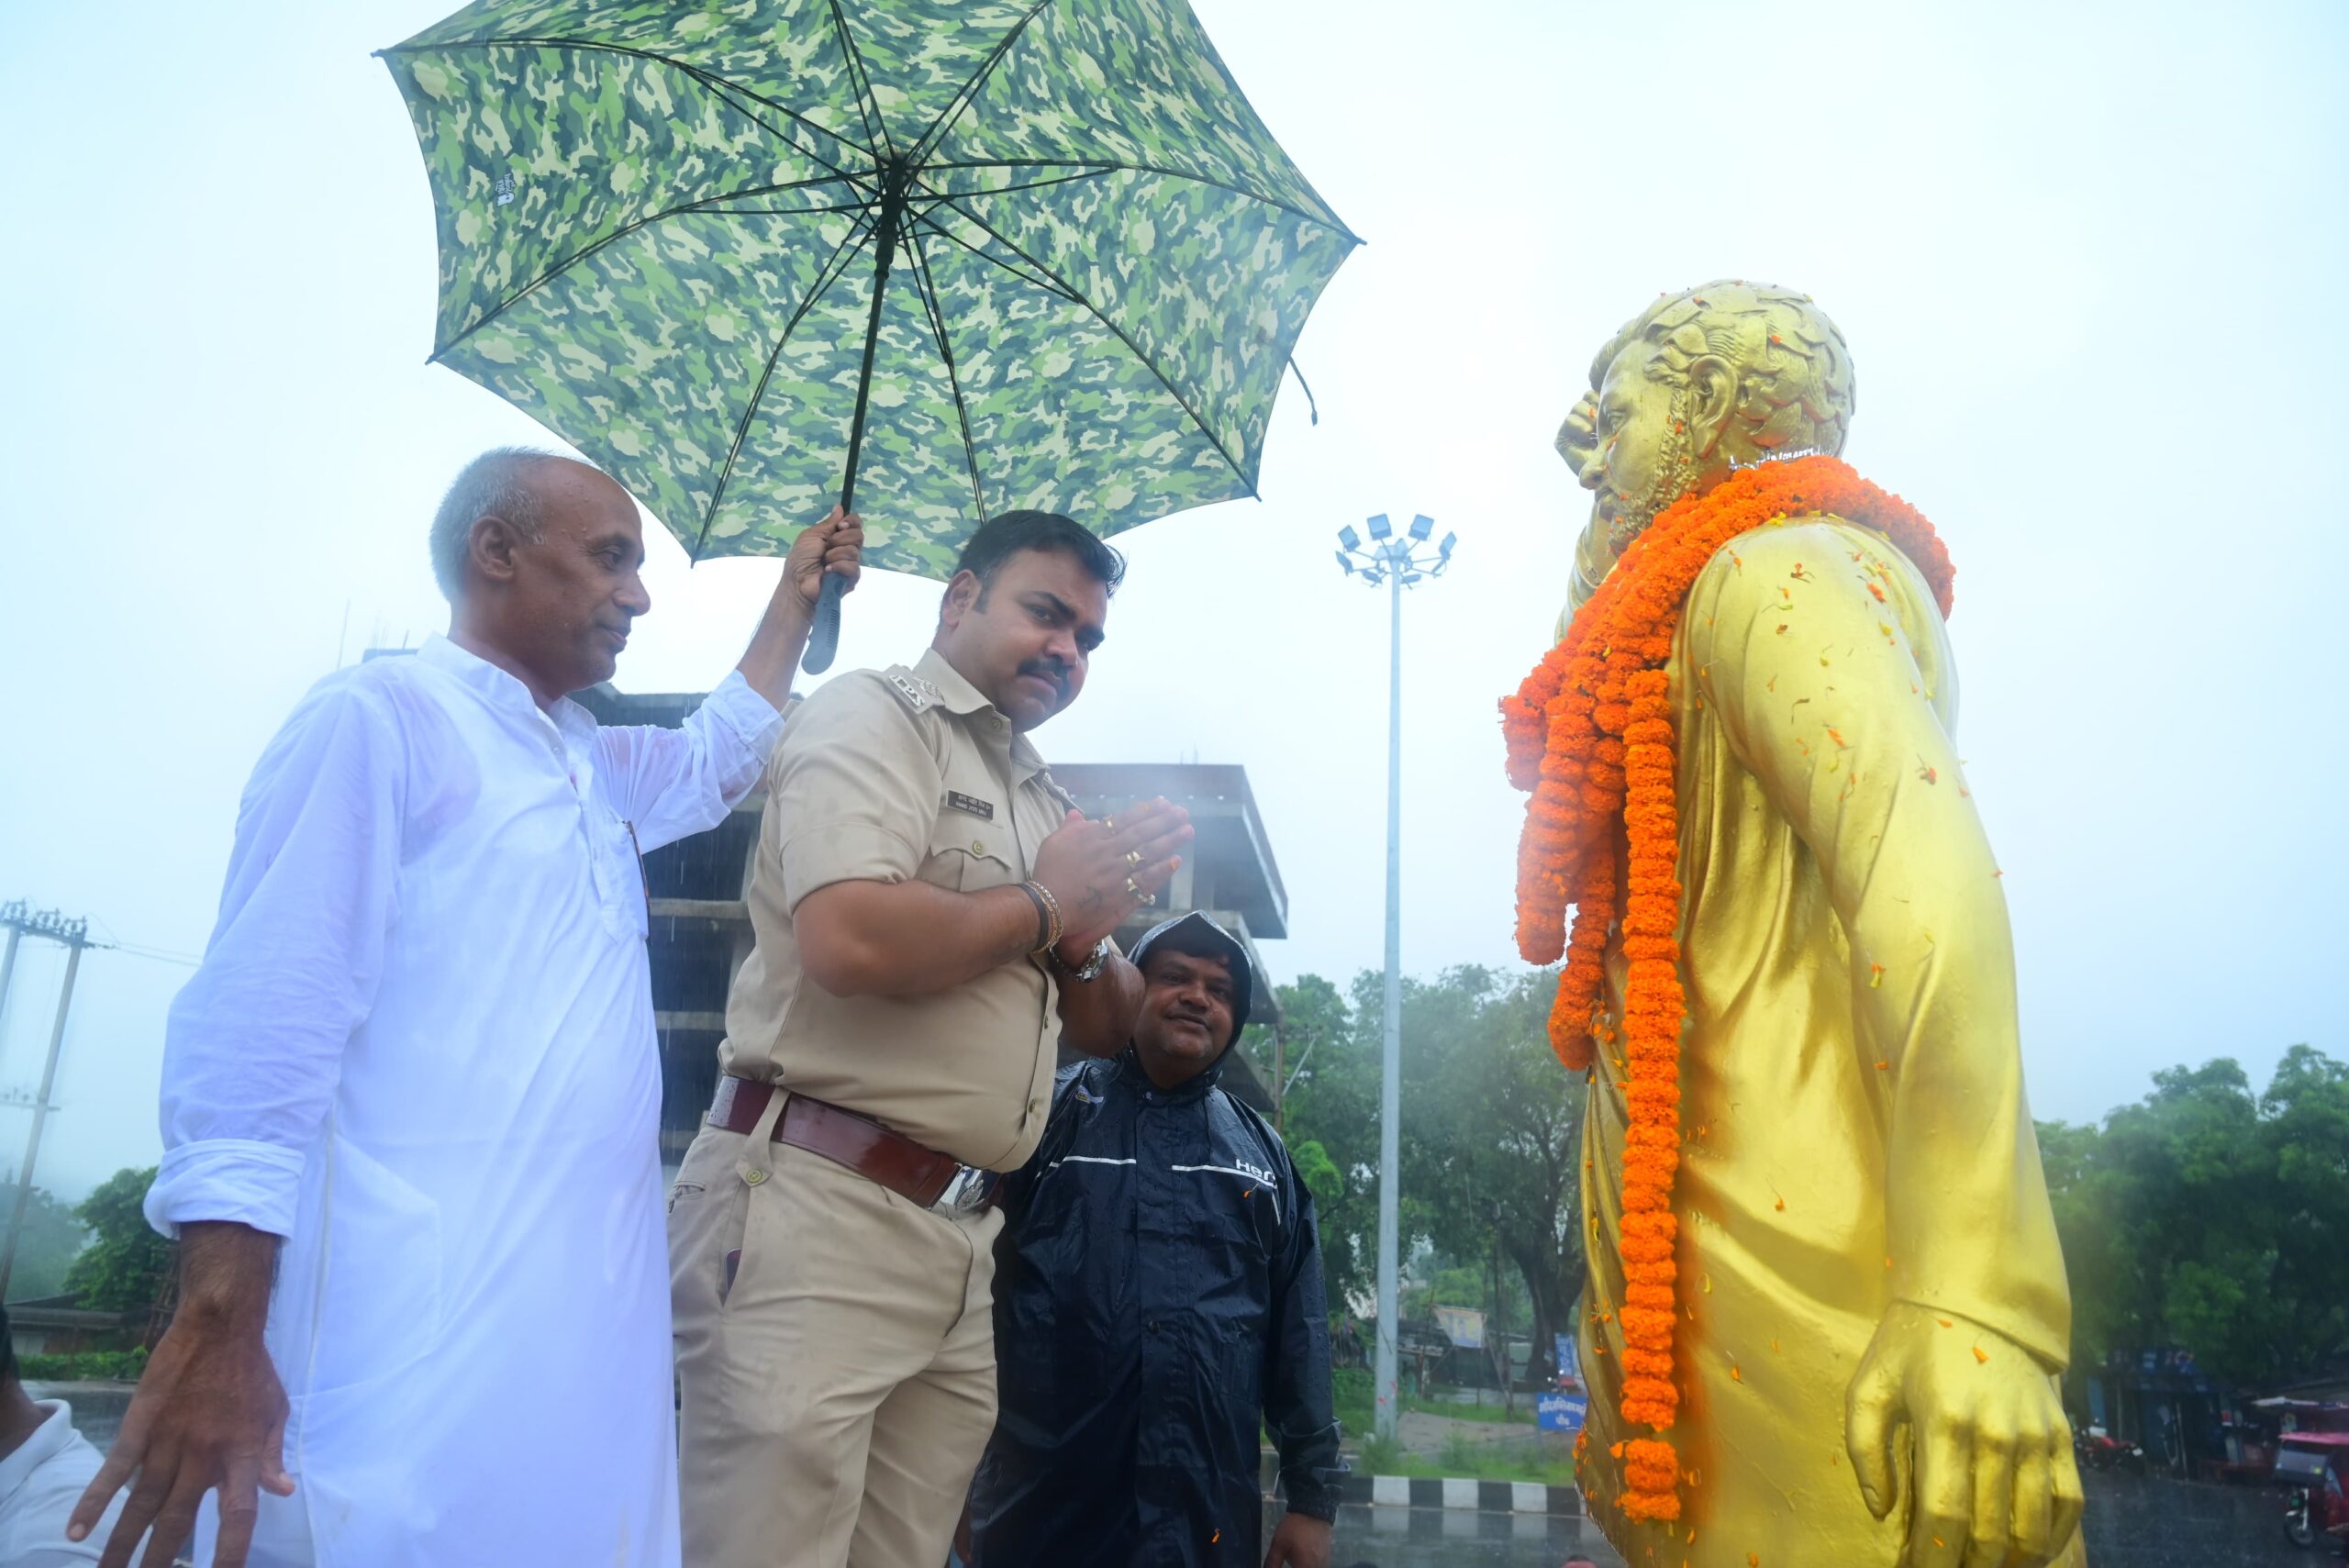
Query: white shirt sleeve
[[672, 783], [253, 1047]]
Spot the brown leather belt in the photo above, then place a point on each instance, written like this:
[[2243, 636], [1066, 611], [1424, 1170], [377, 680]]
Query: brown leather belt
[[914, 1171]]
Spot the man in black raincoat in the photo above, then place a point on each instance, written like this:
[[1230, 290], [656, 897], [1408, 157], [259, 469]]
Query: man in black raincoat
[[1158, 1302]]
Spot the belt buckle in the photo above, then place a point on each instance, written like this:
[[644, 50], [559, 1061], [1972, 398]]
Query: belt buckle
[[967, 1191]]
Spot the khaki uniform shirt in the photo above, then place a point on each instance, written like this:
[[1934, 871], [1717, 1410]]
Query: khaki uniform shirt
[[883, 775]]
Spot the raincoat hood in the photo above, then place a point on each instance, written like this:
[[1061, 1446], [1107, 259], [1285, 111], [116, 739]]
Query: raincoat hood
[[1195, 932]]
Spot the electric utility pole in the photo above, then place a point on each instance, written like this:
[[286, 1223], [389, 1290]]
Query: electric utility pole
[[73, 935]]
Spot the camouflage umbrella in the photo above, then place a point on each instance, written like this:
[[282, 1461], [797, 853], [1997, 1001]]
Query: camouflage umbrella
[[941, 257]]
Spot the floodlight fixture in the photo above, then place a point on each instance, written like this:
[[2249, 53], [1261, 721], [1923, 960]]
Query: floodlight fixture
[[1380, 527], [1422, 525], [1344, 564], [1351, 540]]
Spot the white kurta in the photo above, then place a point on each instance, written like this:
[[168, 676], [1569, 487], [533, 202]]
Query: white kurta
[[421, 1049]]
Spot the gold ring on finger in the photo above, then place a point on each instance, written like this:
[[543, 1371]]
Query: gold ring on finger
[[1136, 894], [1110, 823], [1133, 857]]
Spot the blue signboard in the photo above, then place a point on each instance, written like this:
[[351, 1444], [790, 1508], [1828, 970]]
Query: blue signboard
[[1566, 1355], [1559, 1412]]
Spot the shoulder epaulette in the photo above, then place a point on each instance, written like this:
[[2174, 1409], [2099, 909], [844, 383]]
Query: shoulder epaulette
[[912, 690]]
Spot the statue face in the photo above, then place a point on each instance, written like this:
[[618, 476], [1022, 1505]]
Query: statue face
[[1699, 383], [1641, 463]]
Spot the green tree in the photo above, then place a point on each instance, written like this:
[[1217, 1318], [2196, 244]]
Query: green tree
[[123, 1268], [2213, 1217], [1333, 1107], [1490, 1137], [1492, 1132], [46, 1247]]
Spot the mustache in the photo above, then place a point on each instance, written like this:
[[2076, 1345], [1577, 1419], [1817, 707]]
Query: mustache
[[1049, 669]]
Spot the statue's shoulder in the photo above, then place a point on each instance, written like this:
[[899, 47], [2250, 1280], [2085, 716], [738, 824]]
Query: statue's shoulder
[[1796, 550], [1786, 544], [1771, 562]]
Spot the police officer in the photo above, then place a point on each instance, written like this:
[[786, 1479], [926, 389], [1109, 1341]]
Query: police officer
[[931, 913]]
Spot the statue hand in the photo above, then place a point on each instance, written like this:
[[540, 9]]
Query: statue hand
[[1992, 1478]]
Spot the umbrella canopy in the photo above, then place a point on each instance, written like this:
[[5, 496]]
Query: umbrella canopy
[[959, 258]]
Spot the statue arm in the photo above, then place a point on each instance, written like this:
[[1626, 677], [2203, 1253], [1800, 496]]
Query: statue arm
[[1825, 697], [1835, 716]]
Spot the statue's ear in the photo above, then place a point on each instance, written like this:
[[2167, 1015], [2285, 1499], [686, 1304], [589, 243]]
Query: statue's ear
[[1712, 399]]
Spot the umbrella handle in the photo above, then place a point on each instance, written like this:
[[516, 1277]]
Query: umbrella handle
[[824, 636]]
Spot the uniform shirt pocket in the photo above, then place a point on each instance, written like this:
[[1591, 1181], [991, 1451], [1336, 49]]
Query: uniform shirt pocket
[[968, 855]]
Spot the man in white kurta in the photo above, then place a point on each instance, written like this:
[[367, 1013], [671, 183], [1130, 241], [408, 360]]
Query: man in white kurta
[[420, 1049]]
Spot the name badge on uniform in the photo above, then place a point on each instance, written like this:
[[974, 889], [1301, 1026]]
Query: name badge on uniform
[[982, 809]]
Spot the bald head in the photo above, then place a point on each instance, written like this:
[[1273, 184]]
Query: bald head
[[540, 556]]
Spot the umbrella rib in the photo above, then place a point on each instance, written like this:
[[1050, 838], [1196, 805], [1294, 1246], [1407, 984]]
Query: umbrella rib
[[834, 266], [1076, 296], [782, 211], [1041, 286], [700, 204], [1006, 190], [868, 107], [1111, 165], [963, 94], [927, 287], [707, 78]]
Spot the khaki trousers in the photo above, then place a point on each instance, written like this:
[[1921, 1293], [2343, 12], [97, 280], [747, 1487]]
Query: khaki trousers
[[838, 1394]]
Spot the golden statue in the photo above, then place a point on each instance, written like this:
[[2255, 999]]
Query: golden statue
[[1824, 1277]]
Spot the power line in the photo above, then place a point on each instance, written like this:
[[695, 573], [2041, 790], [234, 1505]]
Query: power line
[[160, 955], [114, 944]]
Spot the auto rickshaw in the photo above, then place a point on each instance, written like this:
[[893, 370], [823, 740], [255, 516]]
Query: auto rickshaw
[[2316, 1504]]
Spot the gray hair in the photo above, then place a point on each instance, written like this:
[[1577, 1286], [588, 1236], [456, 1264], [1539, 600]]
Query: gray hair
[[495, 485]]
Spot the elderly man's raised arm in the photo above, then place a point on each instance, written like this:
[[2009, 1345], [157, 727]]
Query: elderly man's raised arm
[[252, 1055], [670, 784]]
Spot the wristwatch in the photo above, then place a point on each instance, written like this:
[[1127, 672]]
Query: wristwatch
[[1090, 969]]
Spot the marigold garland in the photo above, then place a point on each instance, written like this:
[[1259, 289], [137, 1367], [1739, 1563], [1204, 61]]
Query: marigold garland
[[1590, 736]]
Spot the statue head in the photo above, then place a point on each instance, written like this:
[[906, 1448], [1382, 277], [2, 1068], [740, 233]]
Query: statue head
[[1699, 384]]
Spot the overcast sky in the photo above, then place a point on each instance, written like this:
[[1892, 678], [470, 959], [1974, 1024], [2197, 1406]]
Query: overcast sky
[[2085, 257]]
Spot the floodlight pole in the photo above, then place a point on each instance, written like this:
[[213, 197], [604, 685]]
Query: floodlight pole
[[1390, 1067], [1395, 562]]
